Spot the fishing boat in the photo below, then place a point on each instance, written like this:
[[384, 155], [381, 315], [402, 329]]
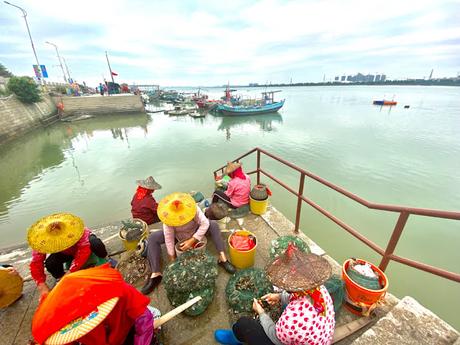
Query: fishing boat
[[179, 111], [195, 114], [266, 105], [384, 102]]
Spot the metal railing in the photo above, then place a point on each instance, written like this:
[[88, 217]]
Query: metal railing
[[404, 213]]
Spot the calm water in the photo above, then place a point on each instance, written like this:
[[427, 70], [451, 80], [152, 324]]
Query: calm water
[[388, 155]]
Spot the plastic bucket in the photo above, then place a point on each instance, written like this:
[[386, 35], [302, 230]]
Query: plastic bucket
[[132, 245], [242, 259], [258, 206], [358, 299], [201, 245]]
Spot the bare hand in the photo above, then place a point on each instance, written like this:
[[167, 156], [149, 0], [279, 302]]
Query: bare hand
[[12, 271], [188, 244], [257, 307], [43, 289], [272, 298]]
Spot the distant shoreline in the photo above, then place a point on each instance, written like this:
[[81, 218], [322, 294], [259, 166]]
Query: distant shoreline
[[448, 82]]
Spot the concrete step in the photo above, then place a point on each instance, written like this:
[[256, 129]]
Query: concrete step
[[409, 323]]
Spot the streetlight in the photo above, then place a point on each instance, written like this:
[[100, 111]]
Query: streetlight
[[67, 69], [24, 13], [59, 58]]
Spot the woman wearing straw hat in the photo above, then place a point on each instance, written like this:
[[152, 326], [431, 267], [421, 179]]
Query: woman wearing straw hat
[[238, 189], [308, 316], [183, 221], [61, 239], [94, 306], [143, 205]]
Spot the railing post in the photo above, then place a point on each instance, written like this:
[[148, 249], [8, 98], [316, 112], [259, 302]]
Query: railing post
[[258, 166], [394, 239], [299, 203]]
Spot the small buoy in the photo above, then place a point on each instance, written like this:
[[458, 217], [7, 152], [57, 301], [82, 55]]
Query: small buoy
[[406, 106]]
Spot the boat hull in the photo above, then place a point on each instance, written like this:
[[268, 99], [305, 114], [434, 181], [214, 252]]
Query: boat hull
[[385, 102], [241, 111]]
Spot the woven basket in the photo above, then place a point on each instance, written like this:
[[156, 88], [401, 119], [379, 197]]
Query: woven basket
[[259, 192]]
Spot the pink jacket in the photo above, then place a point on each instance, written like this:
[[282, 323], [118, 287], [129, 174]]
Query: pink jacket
[[80, 252], [197, 228], [238, 191]]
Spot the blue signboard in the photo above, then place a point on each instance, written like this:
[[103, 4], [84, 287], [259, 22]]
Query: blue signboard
[[44, 71]]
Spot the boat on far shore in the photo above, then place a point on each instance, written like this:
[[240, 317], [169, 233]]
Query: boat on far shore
[[384, 102]]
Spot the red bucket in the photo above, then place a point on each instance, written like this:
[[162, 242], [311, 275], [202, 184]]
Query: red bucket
[[358, 299]]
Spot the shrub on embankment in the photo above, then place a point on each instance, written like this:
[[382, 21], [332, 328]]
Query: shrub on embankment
[[25, 89]]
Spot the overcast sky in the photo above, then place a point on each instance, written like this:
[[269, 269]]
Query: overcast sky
[[212, 42]]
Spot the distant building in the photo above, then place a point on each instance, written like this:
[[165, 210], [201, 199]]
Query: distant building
[[343, 78], [377, 78], [336, 78], [383, 77], [256, 84], [370, 78], [349, 78]]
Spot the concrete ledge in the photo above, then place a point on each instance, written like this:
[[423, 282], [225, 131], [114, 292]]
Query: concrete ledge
[[409, 323]]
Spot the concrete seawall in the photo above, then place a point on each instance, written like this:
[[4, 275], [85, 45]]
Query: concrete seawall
[[102, 104], [16, 118]]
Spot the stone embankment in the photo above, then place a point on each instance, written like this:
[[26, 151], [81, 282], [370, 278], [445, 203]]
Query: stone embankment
[[17, 118], [101, 104]]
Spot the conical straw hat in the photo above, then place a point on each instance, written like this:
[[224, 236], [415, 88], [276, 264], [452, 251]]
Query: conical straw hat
[[231, 167], [176, 209], [10, 287], [83, 325], [298, 271], [55, 233]]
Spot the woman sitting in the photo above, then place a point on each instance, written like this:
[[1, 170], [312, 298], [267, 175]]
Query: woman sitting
[[184, 222], [94, 306], [238, 189], [65, 239], [308, 316], [143, 205]]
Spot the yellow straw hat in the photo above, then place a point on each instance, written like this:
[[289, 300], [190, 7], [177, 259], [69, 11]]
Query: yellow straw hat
[[231, 167], [176, 209], [10, 287], [55, 233], [83, 325]]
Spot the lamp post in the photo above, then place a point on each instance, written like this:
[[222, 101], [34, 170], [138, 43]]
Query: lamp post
[[67, 69], [24, 13], [59, 58]]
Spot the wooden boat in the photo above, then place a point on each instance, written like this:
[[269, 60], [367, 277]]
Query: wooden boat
[[195, 114], [384, 102], [179, 111], [266, 105]]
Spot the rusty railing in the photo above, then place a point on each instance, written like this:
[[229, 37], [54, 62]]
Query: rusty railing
[[404, 213]]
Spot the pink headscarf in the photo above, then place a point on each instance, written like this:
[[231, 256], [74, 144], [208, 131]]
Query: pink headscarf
[[238, 172], [301, 324]]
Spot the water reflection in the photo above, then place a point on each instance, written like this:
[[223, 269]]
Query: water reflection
[[265, 122], [25, 159]]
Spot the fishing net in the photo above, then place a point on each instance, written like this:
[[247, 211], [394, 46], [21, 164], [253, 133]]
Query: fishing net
[[336, 288], [193, 274], [280, 244], [244, 286]]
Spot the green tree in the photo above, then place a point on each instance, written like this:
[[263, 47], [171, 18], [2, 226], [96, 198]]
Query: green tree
[[24, 88], [4, 71]]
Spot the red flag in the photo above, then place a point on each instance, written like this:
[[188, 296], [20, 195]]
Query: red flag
[[115, 74]]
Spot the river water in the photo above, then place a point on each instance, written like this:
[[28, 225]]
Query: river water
[[383, 154]]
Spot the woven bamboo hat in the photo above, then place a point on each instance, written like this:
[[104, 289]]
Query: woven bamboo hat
[[231, 167], [10, 287], [83, 325], [55, 233], [298, 271], [149, 183], [176, 209]]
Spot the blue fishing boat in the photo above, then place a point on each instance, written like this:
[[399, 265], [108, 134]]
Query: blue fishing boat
[[266, 105]]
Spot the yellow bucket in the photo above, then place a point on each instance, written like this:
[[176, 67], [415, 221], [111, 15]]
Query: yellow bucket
[[242, 259], [132, 245], [258, 206]]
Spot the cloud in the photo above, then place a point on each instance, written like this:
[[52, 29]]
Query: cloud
[[211, 42]]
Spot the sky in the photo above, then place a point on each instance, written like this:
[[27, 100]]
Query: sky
[[206, 43]]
